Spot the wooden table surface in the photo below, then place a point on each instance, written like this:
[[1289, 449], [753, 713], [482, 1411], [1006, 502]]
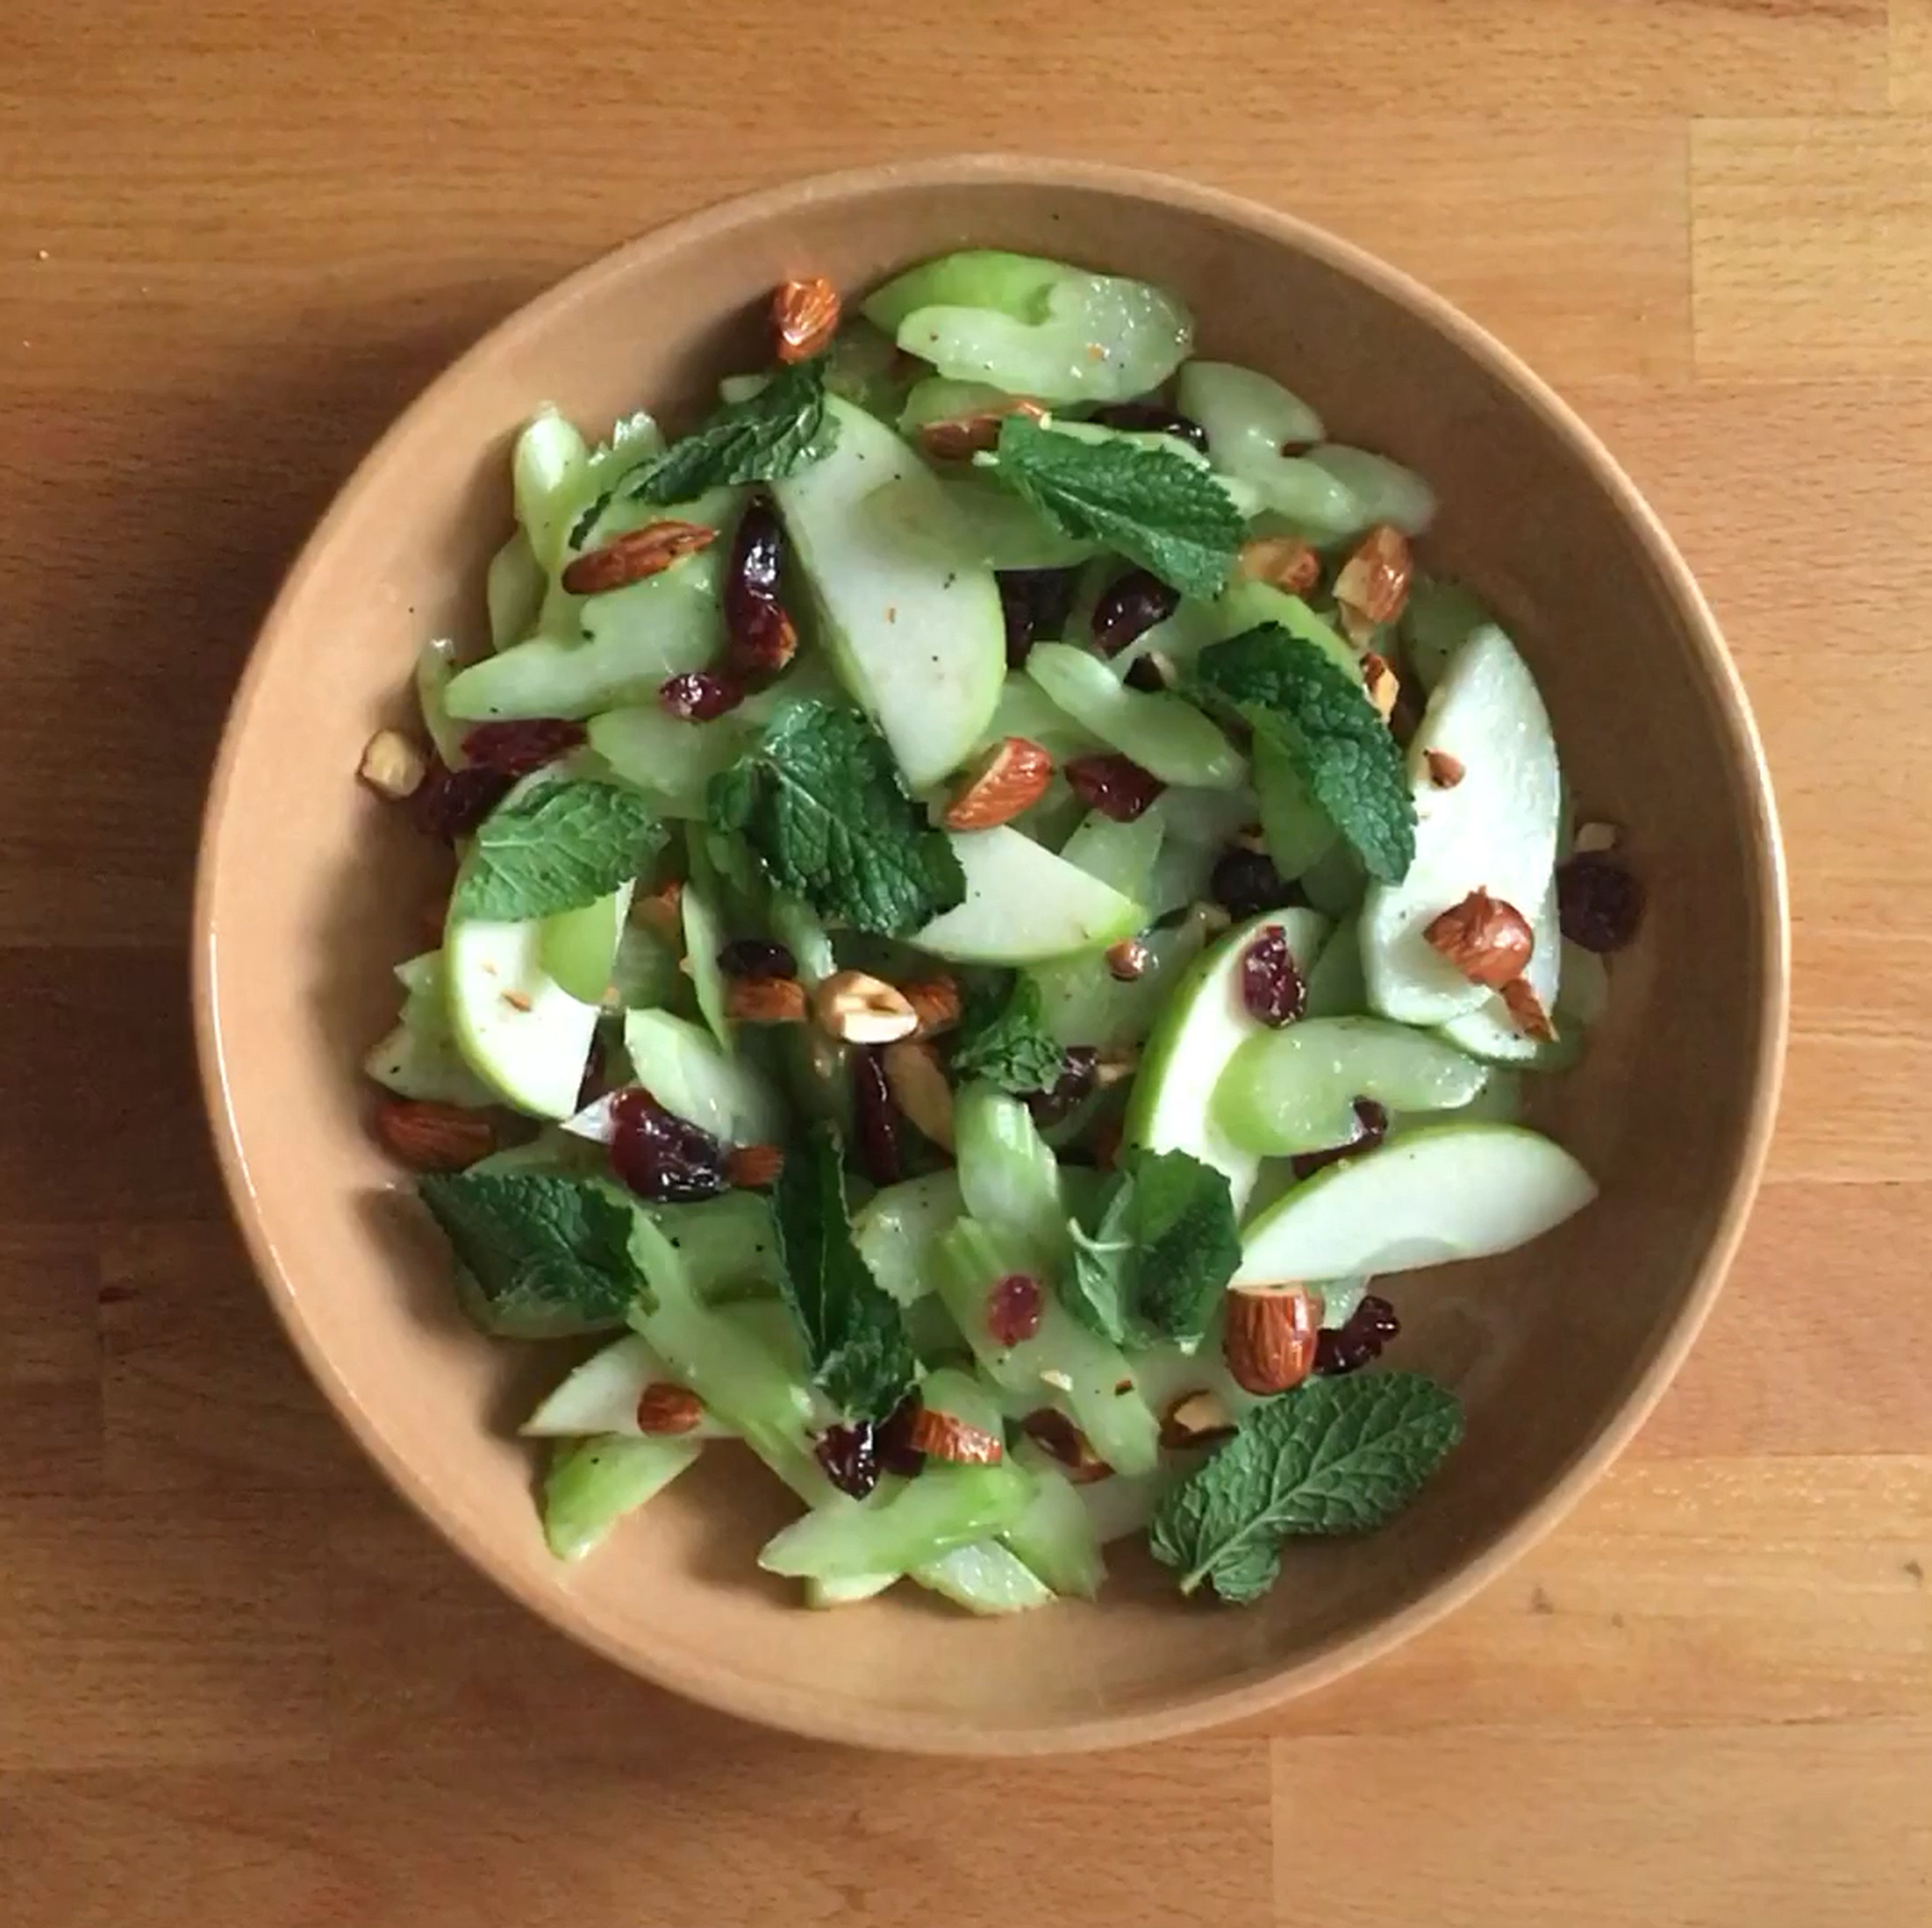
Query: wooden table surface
[[238, 1683]]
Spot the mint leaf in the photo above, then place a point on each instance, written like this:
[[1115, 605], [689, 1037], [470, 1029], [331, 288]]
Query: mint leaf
[[1334, 1455], [821, 803], [1345, 755], [1153, 505], [1003, 1040], [555, 844], [855, 1334], [781, 430], [545, 1254], [1157, 1253]]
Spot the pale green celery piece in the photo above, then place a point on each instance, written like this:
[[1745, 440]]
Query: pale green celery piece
[[980, 277], [797, 926], [1248, 416], [703, 938], [1182, 874], [1385, 491], [864, 366], [1335, 884], [634, 440], [435, 662], [644, 973], [985, 526], [600, 1396], [1008, 1176], [1064, 1365], [672, 762], [1163, 733], [579, 947], [1025, 904], [1294, 1090], [1123, 1506], [1055, 1537], [592, 1483], [1121, 855], [935, 1335], [545, 467], [1083, 1004], [1207, 816], [949, 1389], [1055, 817], [1167, 1375], [895, 1227], [984, 1578], [514, 588], [822, 1595], [683, 1067], [1439, 619], [1297, 831], [1025, 709], [1335, 986], [934, 398], [420, 1058], [1244, 605]]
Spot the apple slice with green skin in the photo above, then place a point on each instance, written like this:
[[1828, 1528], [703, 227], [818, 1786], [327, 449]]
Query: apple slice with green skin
[[1495, 830], [579, 946], [1167, 736], [1025, 904], [1205, 1023], [920, 642], [518, 1028], [602, 1395], [1445, 1192], [1294, 1090], [1489, 1032]]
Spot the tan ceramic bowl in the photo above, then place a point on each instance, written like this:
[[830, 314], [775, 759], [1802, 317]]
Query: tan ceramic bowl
[[309, 892]]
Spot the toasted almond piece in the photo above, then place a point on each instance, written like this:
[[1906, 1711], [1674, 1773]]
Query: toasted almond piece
[[1012, 776], [945, 1436], [858, 1009], [1115, 1066], [1374, 581], [1128, 960], [752, 1167], [935, 1001], [952, 438], [1382, 684], [634, 555], [1594, 840], [393, 766], [1057, 1435], [1283, 561], [1269, 1335], [1526, 1012], [919, 1089], [1061, 1382], [805, 316], [1195, 1419], [665, 1407], [1445, 771], [661, 910], [430, 1137], [1488, 940], [764, 1000]]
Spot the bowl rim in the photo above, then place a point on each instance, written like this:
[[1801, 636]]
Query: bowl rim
[[811, 1714]]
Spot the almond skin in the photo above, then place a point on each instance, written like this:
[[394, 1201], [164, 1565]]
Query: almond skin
[[952, 438], [805, 316], [1195, 1419], [634, 555], [664, 1406], [764, 1000], [1487, 940], [1012, 776], [1061, 1439], [752, 1168], [1526, 1012], [1445, 771], [935, 1002], [1269, 1337], [1283, 561], [941, 1436], [1374, 581], [434, 1137]]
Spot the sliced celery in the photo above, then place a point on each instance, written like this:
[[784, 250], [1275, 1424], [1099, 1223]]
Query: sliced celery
[[687, 1072], [1385, 491], [1055, 1535], [1165, 735], [1439, 619], [673, 762], [513, 591], [420, 1058], [986, 1577], [435, 666], [602, 1395], [703, 939], [545, 467], [1025, 709], [1335, 986], [797, 926], [1008, 1176], [1297, 831], [1121, 855], [592, 1483], [946, 1507], [984, 525], [895, 1229]]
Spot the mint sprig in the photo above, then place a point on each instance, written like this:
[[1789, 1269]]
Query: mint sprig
[[855, 1331], [556, 844], [1345, 755], [545, 1254], [1153, 506], [781, 430], [1153, 1258], [820, 802], [1340, 1456], [1003, 1038]]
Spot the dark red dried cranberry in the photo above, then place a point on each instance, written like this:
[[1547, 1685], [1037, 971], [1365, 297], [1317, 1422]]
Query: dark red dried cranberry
[[1128, 607], [451, 803], [1359, 1342], [1600, 903], [850, 1454], [758, 555], [757, 956], [876, 1118], [1143, 673], [1014, 1308], [897, 1453], [660, 1155], [1152, 419], [1373, 1122], [1272, 987], [522, 745], [699, 697], [1077, 1071], [1246, 883], [1036, 603], [763, 637], [1115, 785]]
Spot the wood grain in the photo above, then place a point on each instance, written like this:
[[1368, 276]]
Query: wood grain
[[237, 1683]]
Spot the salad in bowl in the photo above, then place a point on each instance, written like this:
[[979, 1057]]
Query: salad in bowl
[[996, 911]]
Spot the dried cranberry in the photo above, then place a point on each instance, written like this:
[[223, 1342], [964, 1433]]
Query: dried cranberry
[[763, 636], [1359, 1341], [1272, 987], [1077, 1071], [1128, 607], [1373, 1122], [451, 803], [876, 1119], [1246, 883], [757, 956], [1014, 1306], [1152, 419], [1600, 903], [758, 555], [698, 696], [1115, 785], [525, 744], [850, 1454], [660, 1155], [1143, 673], [897, 1453], [1036, 603]]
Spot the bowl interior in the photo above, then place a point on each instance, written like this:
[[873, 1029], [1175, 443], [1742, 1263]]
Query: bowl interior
[[311, 891]]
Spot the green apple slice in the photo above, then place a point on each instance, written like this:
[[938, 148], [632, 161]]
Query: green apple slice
[[1024, 904], [602, 1395], [688, 1071], [579, 946], [1445, 1192], [518, 1028], [1205, 1023], [1495, 830], [921, 643], [1166, 735]]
